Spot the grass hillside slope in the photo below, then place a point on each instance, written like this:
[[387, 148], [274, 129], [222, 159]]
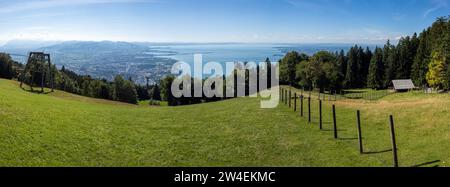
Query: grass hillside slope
[[60, 129]]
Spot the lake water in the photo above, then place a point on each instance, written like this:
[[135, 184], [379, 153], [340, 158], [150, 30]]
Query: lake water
[[223, 53], [158, 59]]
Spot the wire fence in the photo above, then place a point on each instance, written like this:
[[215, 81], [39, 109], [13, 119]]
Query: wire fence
[[344, 94], [366, 95], [312, 107]]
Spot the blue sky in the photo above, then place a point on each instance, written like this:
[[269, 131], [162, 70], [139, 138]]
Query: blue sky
[[267, 21]]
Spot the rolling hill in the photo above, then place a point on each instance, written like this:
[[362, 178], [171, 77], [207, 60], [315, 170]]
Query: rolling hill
[[61, 129]]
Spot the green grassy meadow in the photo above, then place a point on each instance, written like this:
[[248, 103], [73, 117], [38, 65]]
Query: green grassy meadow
[[61, 129]]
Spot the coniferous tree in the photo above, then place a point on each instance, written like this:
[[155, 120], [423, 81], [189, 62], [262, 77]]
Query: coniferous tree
[[143, 92], [391, 66], [166, 90], [387, 49], [99, 89], [364, 71], [421, 61], [155, 93], [402, 60], [342, 64], [124, 90], [287, 65], [361, 78], [406, 52], [352, 68], [6, 66], [376, 70], [414, 45]]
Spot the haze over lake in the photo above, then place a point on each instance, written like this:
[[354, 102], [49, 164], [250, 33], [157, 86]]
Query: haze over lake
[[239, 52], [138, 60]]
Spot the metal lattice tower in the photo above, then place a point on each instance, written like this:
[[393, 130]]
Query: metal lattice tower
[[38, 62]]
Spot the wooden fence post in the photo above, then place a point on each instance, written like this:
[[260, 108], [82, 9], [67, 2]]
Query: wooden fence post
[[285, 97], [358, 121], [334, 122], [301, 105], [290, 98], [295, 101], [394, 145], [309, 109], [320, 114], [281, 94]]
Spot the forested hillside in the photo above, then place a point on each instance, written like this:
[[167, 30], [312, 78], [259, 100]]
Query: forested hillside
[[69, 81], [424, 58]]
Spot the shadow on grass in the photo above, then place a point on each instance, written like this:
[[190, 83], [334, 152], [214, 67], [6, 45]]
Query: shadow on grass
[[354, 91], [36, 91], [377, 152], [427, 163], [347, 139], [331, 130]]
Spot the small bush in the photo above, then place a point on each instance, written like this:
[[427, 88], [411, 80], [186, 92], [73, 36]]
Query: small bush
[[154, 103]]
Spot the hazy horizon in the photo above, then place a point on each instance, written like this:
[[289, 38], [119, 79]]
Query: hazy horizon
[[2, 43], [219, 21]]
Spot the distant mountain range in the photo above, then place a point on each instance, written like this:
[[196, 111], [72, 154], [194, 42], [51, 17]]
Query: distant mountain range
[[27, 44]]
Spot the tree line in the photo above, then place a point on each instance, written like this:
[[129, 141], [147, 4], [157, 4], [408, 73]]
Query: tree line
[[125, 90], [8, 67], [233, 87], [118, 90], [424, 58]]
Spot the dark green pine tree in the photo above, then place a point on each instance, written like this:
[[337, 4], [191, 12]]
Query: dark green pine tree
[[124, 90], [361, 73], [352, 68], [386, 51], [393, 65], [6, 70], [389, 59], [166, 93], [375, 78], [414, 45], [342, 64], [155, 93], [287, 68], [420, 66], [404, 59], [365, 66]]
